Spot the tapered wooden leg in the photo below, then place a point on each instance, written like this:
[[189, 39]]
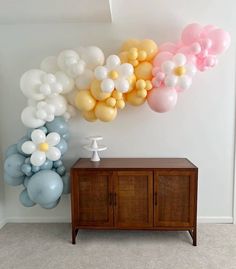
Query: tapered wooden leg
[[193, 234], [74, 234]]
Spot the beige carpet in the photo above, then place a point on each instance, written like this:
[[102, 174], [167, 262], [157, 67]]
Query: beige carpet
[[34, 246]]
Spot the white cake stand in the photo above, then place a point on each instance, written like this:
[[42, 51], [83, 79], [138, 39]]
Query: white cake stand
[[94, 147]]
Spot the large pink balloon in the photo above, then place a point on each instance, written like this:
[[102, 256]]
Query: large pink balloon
[[162, 57], [191, 33], [168, 46], [207, 29], [162, 99], [220, 41]]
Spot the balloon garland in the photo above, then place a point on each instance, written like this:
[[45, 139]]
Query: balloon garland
[[83, 79]]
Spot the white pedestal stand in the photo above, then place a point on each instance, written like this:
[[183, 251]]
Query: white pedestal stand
[[94, 147]]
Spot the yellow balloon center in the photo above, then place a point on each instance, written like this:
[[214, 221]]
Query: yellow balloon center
[[113, 74], [43, 147], [180, 71]]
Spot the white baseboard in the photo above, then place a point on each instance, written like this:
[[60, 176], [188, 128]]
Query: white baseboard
[[3, 223], [216, 220]]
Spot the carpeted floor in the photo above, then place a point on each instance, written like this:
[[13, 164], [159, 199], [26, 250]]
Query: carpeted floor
[[33, 246]]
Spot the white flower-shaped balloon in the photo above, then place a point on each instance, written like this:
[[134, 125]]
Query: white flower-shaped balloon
[[114, 75], [41, 147], [178, 73]]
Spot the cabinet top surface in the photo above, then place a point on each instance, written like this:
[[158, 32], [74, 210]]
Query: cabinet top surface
[[134, 163]]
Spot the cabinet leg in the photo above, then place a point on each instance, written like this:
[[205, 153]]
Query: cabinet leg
[[74, 234], [193, 234]]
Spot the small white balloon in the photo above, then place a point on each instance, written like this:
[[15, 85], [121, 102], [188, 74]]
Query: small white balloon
[[100, 72], [184, 82], [112, 62], [38, 136], [179, 59], [45, 89], [28, 147], [83, 82], [53, 138], [167, 67], [67, 56], [93, 57], [59, 103], [41, 114], [191, 70], [53, 154], [107, 85], [66, 82], [171, 81], [125, 70], [49, 64], [49, 78], [77, 69], [122, 85], [38, 158], [29, 118]]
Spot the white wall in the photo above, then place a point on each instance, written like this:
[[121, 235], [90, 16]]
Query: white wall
[[201, 127]]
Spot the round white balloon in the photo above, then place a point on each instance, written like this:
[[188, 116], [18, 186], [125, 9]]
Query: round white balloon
[[93, 57], [49, 64], [83, 82], [59, 103], [66, 82], [29, 118]]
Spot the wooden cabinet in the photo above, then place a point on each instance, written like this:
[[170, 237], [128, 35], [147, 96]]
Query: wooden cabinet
[[151, 194]]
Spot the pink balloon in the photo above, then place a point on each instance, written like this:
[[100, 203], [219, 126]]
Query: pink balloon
[[162, 57], [220, 41], [168, 46], [207, 29], [162, 99], [191, 33]]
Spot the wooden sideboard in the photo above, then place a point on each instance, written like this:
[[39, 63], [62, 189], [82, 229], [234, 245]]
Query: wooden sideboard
[[134, 193]]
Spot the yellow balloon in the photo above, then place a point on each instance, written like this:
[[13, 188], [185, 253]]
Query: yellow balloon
[[150, 47], [132, 81], [89, 115], [96, 91], [117, 95], [120, 104], [104, 112], [134, 99], [111, 101], [84, 101], [130, 43], [142, 93], [123, 57], [143, 71]]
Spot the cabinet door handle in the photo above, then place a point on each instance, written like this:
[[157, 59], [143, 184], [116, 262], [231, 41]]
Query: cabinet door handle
[[114, 199], [110, 198], [155, 198]]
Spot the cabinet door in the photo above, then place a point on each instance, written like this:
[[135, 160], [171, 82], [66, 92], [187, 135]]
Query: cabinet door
[[94, 199], [175, 199], [133, 199]]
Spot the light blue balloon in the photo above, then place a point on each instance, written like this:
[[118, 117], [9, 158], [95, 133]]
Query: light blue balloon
[[11, 150], [58, 125], [45, 187], [25, 200], [61, 170], [62, 146], [66, 183], [27, 160], [58, 163], [44, 129], [26, 181], [66, 136], [50, 205], [13, 181], [12, 165], [26, 168], [47, 165], [35, 169], [20, 143]]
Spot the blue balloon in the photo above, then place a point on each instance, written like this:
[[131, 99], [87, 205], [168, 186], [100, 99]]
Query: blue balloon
[[45, 187], [66, 183], [62, 146], [26, 169], [35, 169], [61, 170], [25, 200], [20, 143], [50, 205], [58, 163], [27, 160], [12, 165], [66, 136], [13, 181], [26, 181], [58, 125], [47, 165], [11, 150]]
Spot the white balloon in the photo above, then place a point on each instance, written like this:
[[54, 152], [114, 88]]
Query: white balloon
[[59, 103], [67, 56], [112, 62], [30, 84], [107, 85], [49, 78], [41, 114], [45, 89], [38, 136], [53, 138], [179, 59], [122, 85], [100, 72], [190, 70], [29, 118], [66, 82], [28, 147], [171, 81], [77, 69], [53, 154], [83, 82], [49, 64], [70, 97], [38, 158], [184, 82], [167, 67], [93, 56], [125, 70]]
